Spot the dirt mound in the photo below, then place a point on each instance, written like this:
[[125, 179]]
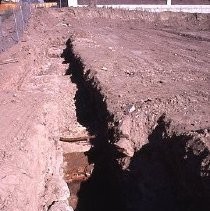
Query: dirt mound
[[192, 21]]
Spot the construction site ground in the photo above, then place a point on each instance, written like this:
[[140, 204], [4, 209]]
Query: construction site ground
[[144, 65]]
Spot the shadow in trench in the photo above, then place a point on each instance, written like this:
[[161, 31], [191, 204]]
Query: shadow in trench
[[166, 174], [102, 191]]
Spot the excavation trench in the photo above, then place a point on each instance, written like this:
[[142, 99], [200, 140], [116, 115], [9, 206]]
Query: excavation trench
[[171, 172], [98, 188]]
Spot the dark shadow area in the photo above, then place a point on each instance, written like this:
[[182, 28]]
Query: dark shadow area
[[164, 174], [102, 191]]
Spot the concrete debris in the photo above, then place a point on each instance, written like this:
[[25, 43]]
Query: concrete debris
[[104, 68], [132, 109]]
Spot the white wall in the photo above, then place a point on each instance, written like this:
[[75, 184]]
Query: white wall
[[162, 8], [72, 3], [155, 8]]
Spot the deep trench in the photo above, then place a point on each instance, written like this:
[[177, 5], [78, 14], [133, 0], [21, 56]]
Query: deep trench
[[102, 191], [159, 177]]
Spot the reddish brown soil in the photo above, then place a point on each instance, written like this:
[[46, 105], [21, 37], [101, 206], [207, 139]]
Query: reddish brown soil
[[144, 65], [77, 170], [37, 107], [157, 63]]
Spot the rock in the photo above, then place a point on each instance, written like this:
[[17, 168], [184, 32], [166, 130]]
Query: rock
[[125, 126], [128, 72], [132, 109], [60, 206], [125, 146], [104, 68], [56, 191], [89, 169], [125, 163]]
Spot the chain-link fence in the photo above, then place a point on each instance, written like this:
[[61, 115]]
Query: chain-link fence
[[13, 21]]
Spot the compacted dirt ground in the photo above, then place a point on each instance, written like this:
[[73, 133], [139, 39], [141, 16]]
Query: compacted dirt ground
[[137, 81]]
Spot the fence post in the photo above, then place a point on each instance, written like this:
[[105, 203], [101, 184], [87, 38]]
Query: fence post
[[21, 12], [1, 33], [16, 26], [72, 3], [168, 2], [1, 36], [30, 7]]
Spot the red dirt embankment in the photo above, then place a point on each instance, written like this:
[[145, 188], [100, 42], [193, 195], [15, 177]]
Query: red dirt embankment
[[36, 108]]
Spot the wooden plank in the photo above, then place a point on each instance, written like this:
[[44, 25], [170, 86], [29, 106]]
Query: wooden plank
[[76, 139]]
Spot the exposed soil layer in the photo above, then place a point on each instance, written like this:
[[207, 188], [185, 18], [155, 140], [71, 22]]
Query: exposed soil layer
[[77, 170], [36, 108]]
